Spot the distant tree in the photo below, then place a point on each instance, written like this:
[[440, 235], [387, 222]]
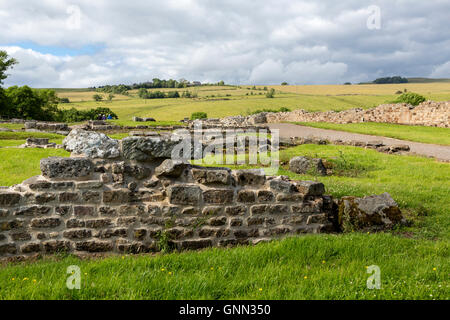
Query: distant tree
[[347, 84], [389, 80], [97, 97], [284, 84], [110, 97], [271, 93], [411, 98], [221, 83], [64, 100], [199, 115], [5, 63]]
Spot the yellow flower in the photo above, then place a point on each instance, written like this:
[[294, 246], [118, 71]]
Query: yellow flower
[[323, 262], [25, 279], [260, 289], [170, 273], [434, 269], [34, 280], [85, 274], [162, 269], [123, 257], [212, 268], [13, 279], [305, 277]]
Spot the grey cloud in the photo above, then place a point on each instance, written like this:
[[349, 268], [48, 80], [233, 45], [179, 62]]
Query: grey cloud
[[302, 42]]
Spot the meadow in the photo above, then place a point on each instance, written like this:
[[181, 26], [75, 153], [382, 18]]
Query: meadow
[[241, 100], [413, 259]]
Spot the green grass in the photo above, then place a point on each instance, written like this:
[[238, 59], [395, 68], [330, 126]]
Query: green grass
[[309, 267], [410, 133], [25, 135], [18, 165], [130, 123], [12, 126]]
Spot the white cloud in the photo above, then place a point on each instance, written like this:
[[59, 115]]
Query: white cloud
[[442, 71], [265, 41]]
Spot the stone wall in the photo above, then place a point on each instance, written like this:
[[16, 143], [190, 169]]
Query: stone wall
[[133, 199], [433, 114]]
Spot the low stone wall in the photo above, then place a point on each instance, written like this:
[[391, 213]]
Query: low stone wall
[[134, 200], [433, 114]]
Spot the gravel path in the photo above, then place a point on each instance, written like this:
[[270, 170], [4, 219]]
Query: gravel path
[[291, 130]]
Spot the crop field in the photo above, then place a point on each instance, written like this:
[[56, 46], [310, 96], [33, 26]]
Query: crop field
[[233, 100]]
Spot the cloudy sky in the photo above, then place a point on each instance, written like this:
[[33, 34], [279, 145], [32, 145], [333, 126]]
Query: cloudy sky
[[81, 43]]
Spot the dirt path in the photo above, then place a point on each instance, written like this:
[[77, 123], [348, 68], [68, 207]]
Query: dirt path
[[291, 130]]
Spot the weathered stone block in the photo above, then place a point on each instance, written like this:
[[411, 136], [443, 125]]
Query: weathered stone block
[[212, 176], [217, 221], [253, 177], [43, 198], [98, 223], [21, 236], [236, 222], [212, 211], [148, 148], [279, 209], [66, 168], [8, 199], [185, 194], [91, 196], [253, 221], [304, 165], [45, 222], [56, 246], [139, 234], [33, 211], [9, 248], [236, 210], [310, 188], [280, 185], [30, 248], [171, 168], [259, 209], [84, 211], [75, 223], [77, 234], [194, 244], [94, 246], [218, 196], [91, 144], [246, 196], [68, 197], [265, 196], [111, 233], [10, 225], [116, 196]]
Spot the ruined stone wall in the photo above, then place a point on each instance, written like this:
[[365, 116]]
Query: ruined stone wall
[[433, 114], [135, 200]]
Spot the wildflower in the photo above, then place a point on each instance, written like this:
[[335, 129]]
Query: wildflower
[[434, 269], [25, 279], [260, 289], [305, 277], [212, 268], [323, 262], [162, 269], [13, 279], [170, 273], [34, 280]]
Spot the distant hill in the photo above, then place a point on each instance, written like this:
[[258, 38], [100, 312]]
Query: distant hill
[[426, 80], [396, 80]]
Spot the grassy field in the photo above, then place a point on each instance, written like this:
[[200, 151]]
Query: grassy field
[[309, 267], [232, 100], [410, 133], [413, 260]]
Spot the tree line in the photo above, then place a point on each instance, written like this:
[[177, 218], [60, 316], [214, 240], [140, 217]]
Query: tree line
[[37, 104]]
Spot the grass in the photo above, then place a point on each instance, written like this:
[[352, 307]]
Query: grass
[[308, 267], [18, 165], [410, 133], [12, 126], [228, 101], [25, 135]]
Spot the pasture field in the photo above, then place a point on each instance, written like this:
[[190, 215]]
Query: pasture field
[[233, 100]]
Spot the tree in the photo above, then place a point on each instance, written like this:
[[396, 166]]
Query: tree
[[271, 93], [97, 97], [284, 84], [5, 64], [110, 97]]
